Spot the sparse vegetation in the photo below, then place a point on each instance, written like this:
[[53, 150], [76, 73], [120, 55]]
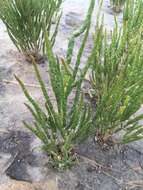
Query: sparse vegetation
[[117, 84], [116, 72], [62, 125], [25, 19], [132, 17], [82, 106]]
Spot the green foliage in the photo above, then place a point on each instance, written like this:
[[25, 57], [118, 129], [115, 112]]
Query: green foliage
[[132, 17], [84, 28], [25, 20], [60, 126], [117, 84], [117, 5], [57, 127]]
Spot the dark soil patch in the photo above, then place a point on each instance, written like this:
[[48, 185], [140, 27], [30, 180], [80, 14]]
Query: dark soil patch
[[115, 168], [118, 168], [17, 143]]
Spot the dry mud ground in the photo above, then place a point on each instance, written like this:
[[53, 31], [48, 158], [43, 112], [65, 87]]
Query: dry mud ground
[[120, 167]]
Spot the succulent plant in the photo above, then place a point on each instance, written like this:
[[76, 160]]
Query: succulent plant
[[117, 84], [58, 125], [26, 20]]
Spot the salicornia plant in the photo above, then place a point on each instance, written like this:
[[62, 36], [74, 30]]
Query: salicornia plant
[[117, 81], [132, 17], [25, 19], [60, 125]]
